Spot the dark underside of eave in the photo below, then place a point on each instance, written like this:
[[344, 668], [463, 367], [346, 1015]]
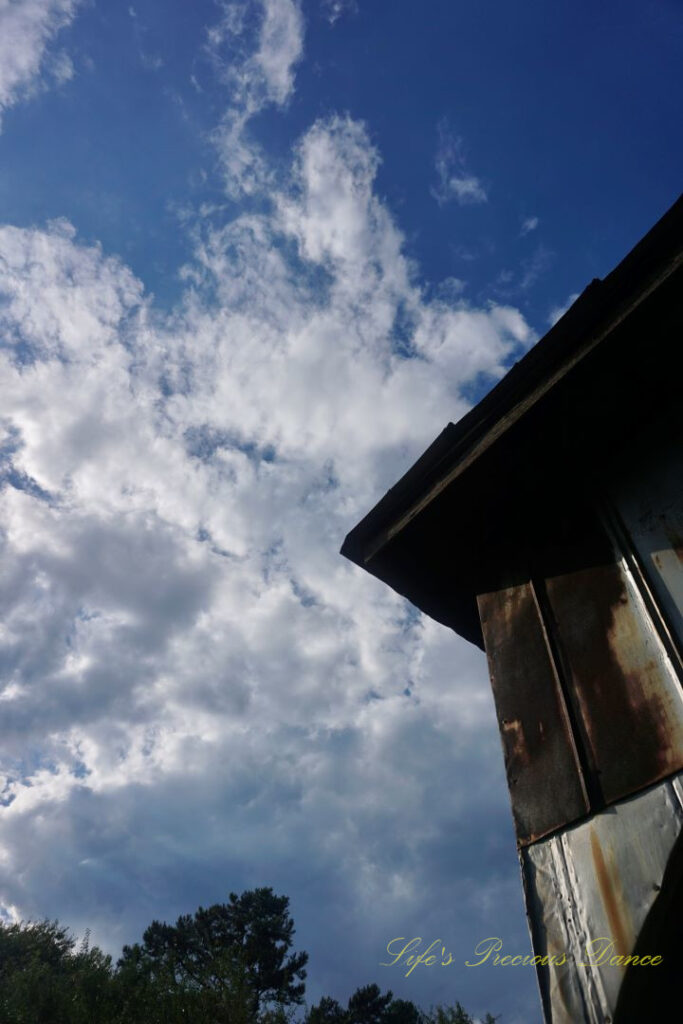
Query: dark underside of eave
[[465, 516]]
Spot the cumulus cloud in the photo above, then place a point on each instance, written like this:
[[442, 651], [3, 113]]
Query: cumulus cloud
[[454, 181], [199, 693], [27, 28], [177, 624]]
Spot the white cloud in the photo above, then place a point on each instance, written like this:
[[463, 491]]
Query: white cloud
[[256, 45], [280, 48], [335, 9], [27, 27], [510, 284], [196, 686], [535, 266], [191, 662], [61, 67], [257, 64], [529, 224], [557, 312], [454, 181]]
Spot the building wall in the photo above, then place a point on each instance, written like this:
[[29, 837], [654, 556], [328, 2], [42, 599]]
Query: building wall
[[589, 890], [585, 662]]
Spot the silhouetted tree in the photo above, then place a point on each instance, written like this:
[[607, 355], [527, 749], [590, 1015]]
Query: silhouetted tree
[[228, 964], [454, 1015], [45, 979], [327, 1011], [402, 1011], [236, 951], [367, 1005]]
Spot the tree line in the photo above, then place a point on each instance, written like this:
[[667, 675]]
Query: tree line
[[231, 963]]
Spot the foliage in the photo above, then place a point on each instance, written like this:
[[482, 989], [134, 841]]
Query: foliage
[[228, 964], [368, 1006], [235, 954], [44, 978], [454, 1015]]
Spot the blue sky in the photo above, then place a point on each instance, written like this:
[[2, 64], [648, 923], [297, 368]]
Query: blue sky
[[253, 257]]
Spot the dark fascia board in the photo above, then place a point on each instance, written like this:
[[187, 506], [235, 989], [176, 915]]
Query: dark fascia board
[[600, 308]]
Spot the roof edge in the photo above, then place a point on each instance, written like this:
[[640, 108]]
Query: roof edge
[[587, 322]]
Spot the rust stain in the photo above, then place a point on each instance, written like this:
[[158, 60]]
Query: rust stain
[[516, 744], [612, 897], [626, 698], [544, 782], [659, 557]]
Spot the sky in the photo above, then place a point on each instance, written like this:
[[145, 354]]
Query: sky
[[254, 256]]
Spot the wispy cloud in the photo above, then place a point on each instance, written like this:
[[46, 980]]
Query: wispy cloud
[[335, 9], [454, 181], [529, 224], [557, 312], [149, 60], [535, 266], [27, 28], [256, 59]]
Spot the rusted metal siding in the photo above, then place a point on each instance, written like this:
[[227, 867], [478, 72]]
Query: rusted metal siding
[[585, 678], [628, 693], [543, 770], [590, 645], [594, 881]]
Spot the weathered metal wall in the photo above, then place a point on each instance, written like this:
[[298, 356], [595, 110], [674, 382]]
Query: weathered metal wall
[[598, 881], [589, 703], [544, 774], [585, 665], [548, 525], [619, 676]]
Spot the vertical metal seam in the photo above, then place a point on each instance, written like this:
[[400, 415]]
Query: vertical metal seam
[[586, 767], [565, 891], [590, 984], [576, 926], [619, 536]]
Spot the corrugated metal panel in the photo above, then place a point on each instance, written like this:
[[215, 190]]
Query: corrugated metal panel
[[598, 881], [543, 769]]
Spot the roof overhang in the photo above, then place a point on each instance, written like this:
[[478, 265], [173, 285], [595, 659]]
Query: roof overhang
[[452, 523]]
